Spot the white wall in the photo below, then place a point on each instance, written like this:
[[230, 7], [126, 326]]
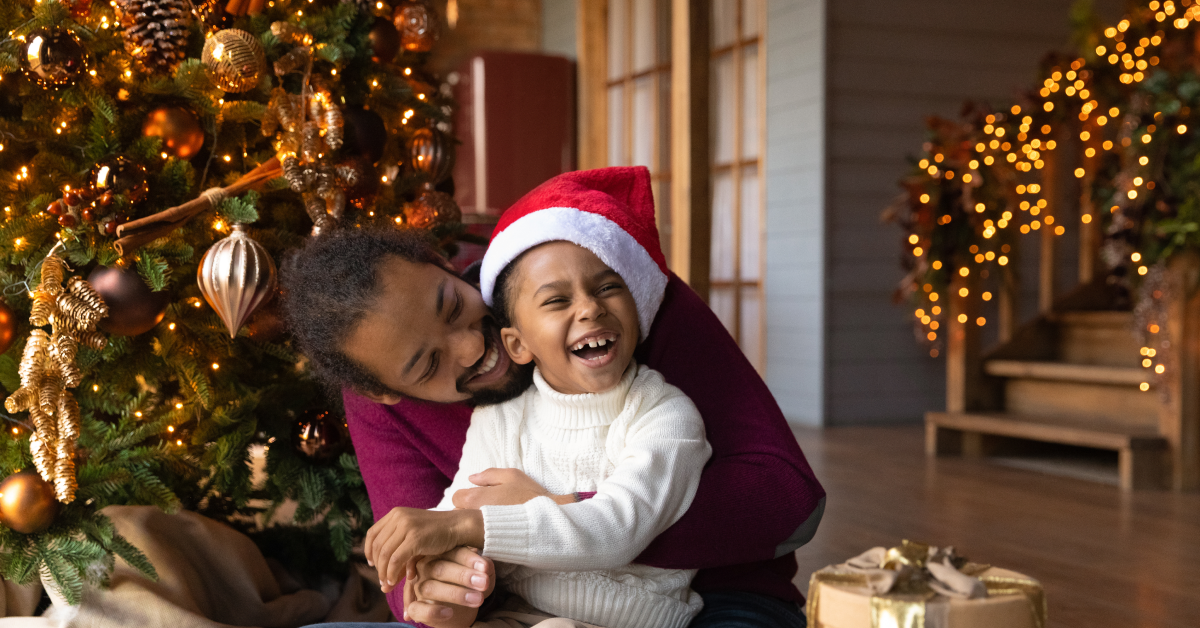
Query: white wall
[[795, 204]]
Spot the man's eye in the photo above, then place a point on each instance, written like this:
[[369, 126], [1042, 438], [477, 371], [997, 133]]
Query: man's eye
[[433, 364], [458, 306]]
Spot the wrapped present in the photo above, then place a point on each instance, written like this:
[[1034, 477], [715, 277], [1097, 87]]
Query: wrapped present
[[919, 586]]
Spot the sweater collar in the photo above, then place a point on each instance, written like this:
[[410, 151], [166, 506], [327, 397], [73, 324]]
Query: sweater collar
[[582, 411]]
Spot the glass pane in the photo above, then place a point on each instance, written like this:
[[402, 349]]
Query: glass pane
[[662, 204], [724, 95], [664, 122], [643, 122], [616, 126], [618, 39], [750, 130], [751, 234], [644, 34], [721, 262], [724, 22], [721, 302], [750, 18], [751, 337], [663, 39]]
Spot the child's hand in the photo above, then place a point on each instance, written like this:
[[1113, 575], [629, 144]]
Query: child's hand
[[440, 592], [503, 487], [407, 533]]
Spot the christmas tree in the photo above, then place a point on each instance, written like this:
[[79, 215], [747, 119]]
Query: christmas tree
[[157, 161]]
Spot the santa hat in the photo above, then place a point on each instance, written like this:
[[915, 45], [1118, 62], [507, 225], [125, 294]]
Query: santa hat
[[608, 211]]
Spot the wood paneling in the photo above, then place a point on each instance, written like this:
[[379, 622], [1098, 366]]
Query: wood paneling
[[593, 73], [1106, 559], [691, 204]]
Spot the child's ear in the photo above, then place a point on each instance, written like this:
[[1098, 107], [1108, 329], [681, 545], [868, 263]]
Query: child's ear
[[517, 350]]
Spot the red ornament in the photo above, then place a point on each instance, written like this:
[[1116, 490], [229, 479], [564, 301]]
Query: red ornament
[[55, 208], [67, 220], [8, 327]]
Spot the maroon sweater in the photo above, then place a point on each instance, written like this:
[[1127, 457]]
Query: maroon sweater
[[757, 499]]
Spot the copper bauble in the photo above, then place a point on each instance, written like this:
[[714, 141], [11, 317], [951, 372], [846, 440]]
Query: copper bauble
[[431, 209], [385, 41], [418, 25], [431, 154], [363, 192], [27, 502], [8, 327], [179, 129], [54, 57], [236, 276], [119, 175], [318, 436], [235, 58], [132, 307]]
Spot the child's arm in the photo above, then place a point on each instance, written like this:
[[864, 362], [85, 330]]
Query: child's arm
[[656, 476]]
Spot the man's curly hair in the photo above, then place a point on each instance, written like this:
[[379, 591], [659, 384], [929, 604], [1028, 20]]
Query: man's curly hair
[[330, 285]]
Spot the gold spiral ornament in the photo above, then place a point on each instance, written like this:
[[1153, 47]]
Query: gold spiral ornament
[[235, 58], [236, 276]]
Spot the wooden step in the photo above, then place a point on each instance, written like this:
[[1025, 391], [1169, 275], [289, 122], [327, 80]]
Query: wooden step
[[1103, 338], [1063, 371], [1081, 400], [1140, 449]]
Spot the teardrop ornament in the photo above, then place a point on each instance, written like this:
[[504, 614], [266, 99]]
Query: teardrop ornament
[[236, 276]]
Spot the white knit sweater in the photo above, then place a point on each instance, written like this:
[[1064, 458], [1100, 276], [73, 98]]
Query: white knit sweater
[[641, 448]]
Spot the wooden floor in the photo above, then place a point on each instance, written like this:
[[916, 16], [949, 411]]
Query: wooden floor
[[1106, 558]]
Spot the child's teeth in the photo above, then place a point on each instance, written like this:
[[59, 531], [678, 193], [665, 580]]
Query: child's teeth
[[602, 342], [592, 344]]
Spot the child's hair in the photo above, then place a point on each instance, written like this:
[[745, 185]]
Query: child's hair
[[503, 293], [331, 283]]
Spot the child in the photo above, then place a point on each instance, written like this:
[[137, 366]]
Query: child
[[594, 421]]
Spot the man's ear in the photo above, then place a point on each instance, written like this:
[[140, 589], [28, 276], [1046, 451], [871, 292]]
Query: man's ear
[[387, 399], [517, 350]]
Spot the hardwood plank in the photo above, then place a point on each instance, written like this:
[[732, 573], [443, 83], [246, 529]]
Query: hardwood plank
[[1105, 558], [1063, 371]]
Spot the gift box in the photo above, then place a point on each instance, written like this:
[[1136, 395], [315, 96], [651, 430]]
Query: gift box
[[919, 586]]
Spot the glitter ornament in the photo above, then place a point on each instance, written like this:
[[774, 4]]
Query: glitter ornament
[[235, 59]]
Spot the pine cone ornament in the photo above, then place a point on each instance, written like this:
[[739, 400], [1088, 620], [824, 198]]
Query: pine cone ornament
[[156, 31]]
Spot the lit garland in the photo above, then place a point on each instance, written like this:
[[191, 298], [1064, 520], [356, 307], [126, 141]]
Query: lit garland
[[980, 181]]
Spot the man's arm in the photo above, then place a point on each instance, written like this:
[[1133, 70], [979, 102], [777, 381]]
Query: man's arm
[[758, 497], [407, 454]]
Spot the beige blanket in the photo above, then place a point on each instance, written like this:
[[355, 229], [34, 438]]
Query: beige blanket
[[210, 576]]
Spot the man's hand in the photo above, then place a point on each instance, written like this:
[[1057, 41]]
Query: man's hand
[[503, 487], [405, 534], [446, 591]]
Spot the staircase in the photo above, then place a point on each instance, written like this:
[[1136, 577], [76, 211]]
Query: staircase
[[1073, 378]]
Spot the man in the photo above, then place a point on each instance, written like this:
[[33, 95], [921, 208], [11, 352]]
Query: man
[[382, 315]]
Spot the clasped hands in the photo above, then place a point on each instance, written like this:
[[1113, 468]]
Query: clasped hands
[[446, 579]]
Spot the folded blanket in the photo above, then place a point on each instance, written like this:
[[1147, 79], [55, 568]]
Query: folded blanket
[[210, 576]]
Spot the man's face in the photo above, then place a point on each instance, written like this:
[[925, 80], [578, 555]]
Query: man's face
[[430, 336]]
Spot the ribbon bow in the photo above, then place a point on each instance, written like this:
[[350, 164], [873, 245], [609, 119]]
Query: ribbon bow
[[911, 584]]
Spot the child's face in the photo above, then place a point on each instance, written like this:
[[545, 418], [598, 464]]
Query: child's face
[[564, 301]]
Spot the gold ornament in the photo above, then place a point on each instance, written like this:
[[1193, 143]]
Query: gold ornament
[[236, 276], [235, 58], [48, 369], [310, 128], [431, 209], [27, 502]]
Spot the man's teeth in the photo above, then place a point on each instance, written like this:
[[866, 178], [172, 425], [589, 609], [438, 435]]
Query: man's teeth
[[593, 343], [490, 363]]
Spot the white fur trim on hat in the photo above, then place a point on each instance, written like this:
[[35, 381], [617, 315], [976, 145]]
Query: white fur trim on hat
[[612, 244]]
